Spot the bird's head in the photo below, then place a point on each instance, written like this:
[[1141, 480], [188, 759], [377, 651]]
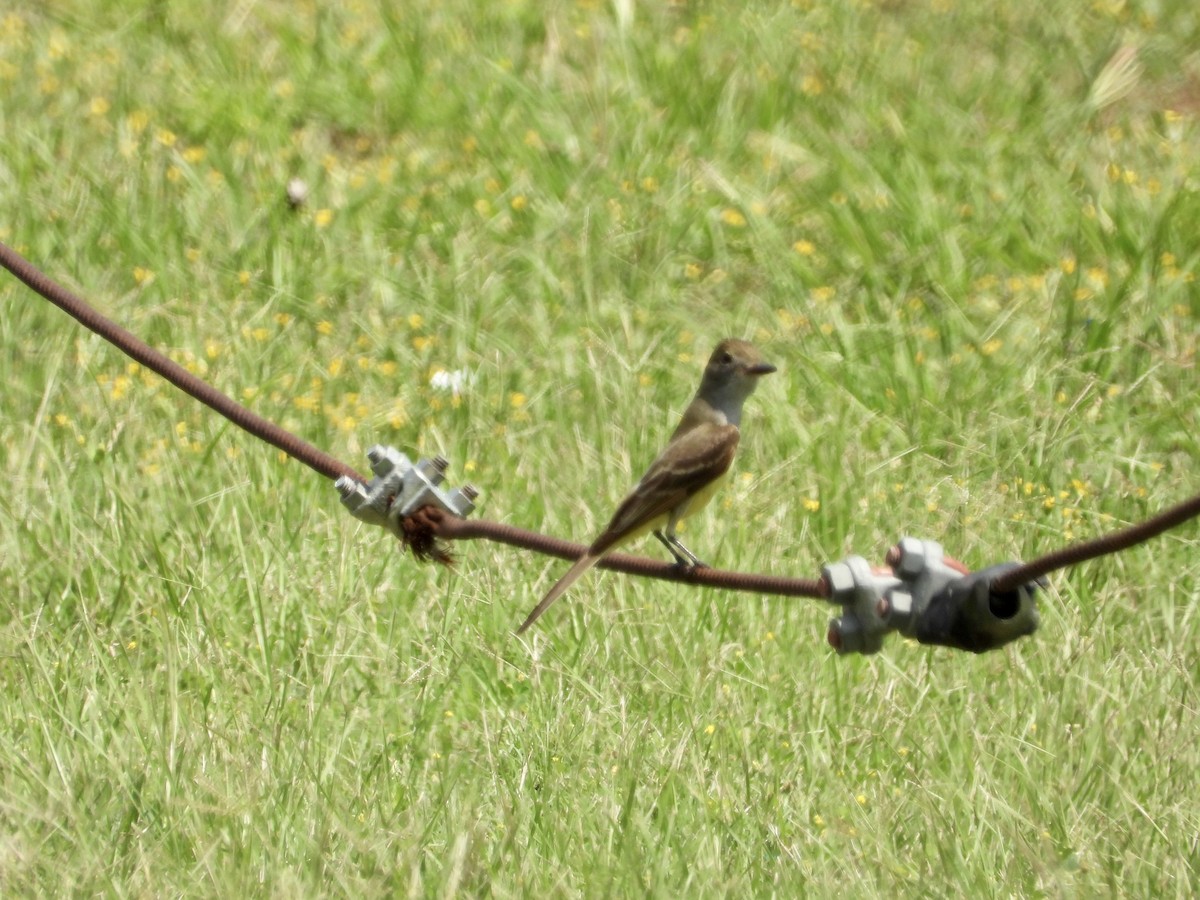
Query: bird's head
[[731, 375], [734, 358]]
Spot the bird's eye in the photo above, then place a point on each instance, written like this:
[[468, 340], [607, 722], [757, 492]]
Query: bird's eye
[[726, 358]]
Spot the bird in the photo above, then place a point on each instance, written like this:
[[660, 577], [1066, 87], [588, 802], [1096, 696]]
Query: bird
[[684, 477]]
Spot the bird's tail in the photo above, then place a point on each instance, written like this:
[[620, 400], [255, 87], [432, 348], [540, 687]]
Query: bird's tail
[[581, 565]]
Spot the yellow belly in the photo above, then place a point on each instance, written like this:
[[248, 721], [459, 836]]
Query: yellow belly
[[667, 521], [701, 498]]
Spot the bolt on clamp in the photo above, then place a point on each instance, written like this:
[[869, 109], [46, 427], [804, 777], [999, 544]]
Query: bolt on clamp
[[859, 589], [400, 488], [922, 597]]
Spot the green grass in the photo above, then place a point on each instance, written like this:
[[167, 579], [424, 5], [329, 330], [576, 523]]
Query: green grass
[[965, 232]]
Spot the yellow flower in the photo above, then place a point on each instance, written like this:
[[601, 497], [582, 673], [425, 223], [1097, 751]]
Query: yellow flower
[[519, 202], [323, 217], [517, 399], [58, 45], [804, 248], [324, 327], [12, 25], [137, 121], [99, 107], [733, 218]]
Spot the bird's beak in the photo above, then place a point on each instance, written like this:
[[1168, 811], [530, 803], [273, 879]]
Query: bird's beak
[[762, 368]]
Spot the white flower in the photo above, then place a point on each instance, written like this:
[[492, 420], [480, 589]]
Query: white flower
[[454, 381]]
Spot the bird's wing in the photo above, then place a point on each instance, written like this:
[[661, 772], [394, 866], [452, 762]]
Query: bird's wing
[[689, 462]]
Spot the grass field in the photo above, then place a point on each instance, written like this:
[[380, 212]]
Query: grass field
[[965, 232]]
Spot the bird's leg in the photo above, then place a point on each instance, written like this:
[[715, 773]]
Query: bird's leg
[[679, 560], [696, 562], [684, 558]]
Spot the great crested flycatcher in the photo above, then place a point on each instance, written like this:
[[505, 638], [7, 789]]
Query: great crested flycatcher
[[687, 473]]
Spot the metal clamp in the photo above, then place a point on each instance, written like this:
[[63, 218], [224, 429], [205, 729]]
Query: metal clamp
[[400, 488], [924, 598], [860, 590], [921, 568]]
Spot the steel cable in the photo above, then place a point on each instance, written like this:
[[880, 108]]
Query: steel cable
[[1115, 542], [135, 347], [451, 527], [431, 522]]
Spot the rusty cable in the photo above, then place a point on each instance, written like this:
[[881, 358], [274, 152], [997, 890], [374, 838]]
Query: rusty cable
[[135, 347], [430, 522], [450, 527], [1074, 554]]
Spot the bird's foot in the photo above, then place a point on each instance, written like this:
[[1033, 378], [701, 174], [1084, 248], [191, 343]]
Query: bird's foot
[[685, 559]]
